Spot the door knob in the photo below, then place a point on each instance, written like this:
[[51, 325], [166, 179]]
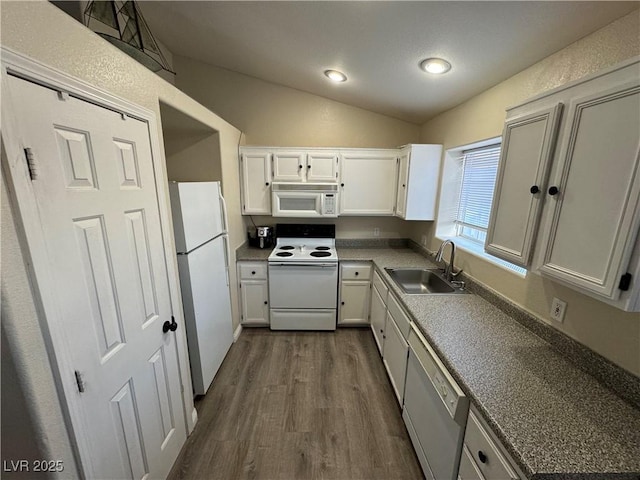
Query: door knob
[[482, 457], [341, 303], [534, 189], [169, 325], [553, 190]]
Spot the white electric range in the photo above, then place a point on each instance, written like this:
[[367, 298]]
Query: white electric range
[[303, 278]]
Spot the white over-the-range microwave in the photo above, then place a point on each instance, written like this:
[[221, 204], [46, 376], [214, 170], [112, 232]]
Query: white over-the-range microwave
[[304, 199]]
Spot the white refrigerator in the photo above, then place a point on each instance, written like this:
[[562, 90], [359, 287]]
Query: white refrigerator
[[200, 225]]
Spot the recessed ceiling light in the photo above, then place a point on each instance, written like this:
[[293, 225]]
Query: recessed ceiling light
[[336, 76], [435, 65]]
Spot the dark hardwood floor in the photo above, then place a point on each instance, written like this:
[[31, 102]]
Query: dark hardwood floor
[[300, 405]]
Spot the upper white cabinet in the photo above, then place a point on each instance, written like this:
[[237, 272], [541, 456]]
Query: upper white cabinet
[[322, 166], [255, 169], [527, 147], [368, 185], [594, 194], [418, 175], [589, 192], [305, 166], [289, 166]]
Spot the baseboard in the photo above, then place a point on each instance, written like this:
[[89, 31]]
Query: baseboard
[[237, 333]]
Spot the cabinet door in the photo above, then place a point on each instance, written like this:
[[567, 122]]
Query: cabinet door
[[256, 181], [354, 302], [527, 148], [395, 354], [368, 183], [378, 318], [254, 295], [403, 179], [322, 167], [596, 209], [289, 166]]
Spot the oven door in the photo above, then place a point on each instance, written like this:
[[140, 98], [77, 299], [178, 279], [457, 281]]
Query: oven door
[[303, 285], [296, 204]]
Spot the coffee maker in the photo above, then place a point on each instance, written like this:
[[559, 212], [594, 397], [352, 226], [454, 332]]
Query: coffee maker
[[261, 237]]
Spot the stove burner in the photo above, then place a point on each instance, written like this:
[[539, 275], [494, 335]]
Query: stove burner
[[323, 248], [320, 254], [284, 254], [286, 247]]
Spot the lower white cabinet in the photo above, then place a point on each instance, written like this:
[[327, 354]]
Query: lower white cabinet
[[483, 458], [355, 288], [378, 315], [254, 293], [394, 356]]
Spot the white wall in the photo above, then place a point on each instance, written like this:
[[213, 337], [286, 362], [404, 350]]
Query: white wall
[[45, 33], [609, 331]]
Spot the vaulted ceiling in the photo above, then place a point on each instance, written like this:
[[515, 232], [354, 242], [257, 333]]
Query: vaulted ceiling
[[378, 44]]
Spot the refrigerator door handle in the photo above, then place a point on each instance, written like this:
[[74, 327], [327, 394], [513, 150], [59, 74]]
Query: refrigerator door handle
[[225, 220], [227, 256]]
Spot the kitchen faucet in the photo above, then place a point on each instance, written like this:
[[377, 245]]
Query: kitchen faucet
[[449, 273]]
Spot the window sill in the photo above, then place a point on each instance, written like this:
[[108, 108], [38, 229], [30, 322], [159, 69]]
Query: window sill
[[478, 251]]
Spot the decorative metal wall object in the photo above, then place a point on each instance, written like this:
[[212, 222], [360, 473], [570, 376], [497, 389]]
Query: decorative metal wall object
[[122, 24]]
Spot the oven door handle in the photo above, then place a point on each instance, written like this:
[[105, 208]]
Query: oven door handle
[[324, 265]]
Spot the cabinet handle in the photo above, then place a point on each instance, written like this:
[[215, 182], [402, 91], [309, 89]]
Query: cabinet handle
[[381, 331], [341, 303], [482, 457], [342, 184], [308, 166], [403, 185], [267, 184], [300, 167], [553, 190], [253, 273], [265, 302], [357, 273], [534, 189]]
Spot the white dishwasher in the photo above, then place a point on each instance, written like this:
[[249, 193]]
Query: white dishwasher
[[435, 411]]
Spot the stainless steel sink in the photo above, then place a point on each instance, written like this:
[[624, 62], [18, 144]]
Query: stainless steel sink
[[423, 281]]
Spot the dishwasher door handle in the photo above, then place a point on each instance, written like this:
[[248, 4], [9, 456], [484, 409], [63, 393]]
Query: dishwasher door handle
[[314, 265]]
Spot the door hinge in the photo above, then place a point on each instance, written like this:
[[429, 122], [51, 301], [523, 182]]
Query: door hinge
[[625, 282], [79, 381], [31, 163]]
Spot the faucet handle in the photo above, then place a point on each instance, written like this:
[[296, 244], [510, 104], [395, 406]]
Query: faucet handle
[[455, 274]]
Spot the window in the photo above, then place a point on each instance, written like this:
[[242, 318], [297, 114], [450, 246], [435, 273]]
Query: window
[[479, 169], [469, 179]]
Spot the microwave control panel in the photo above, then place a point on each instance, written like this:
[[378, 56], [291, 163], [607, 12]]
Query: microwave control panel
[[329, 204]]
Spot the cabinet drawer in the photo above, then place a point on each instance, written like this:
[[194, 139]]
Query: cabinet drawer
[[253, 271], [356, 271], [380, 286], [401, 319], [485, 453]]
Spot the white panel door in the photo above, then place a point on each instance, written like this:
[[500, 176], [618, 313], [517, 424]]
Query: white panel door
[[596, 207], [289, 166], [256, 183], [369, 183], [527, 148], [322, 166], [96, 195], [207, 308]]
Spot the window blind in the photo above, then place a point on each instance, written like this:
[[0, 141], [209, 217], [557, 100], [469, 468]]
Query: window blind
[[479, 169]]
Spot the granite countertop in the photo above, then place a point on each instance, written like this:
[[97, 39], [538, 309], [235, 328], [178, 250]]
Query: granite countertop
[[556, 421]]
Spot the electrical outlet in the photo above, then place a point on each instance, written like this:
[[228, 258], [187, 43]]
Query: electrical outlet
[[558, 308], [376, 232], [424, 240]]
